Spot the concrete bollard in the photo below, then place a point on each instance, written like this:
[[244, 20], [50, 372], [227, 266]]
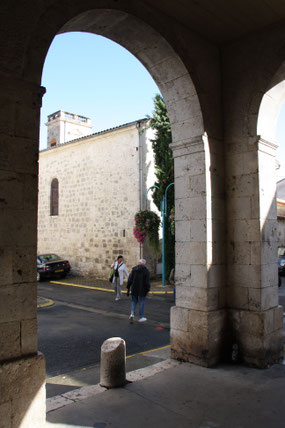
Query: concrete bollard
[[113, 363]]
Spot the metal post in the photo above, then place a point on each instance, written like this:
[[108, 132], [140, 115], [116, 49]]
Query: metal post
[[163, 210], [152, 187], [163, 238]]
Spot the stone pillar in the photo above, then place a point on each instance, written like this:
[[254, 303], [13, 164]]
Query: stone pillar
[[22, 370], [113, 363], [198, 319], [252, 293]]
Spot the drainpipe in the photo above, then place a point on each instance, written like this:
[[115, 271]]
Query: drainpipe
[[141, 139], [141, 199], [64, 138]]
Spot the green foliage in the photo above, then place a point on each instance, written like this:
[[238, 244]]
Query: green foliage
[[164, 171], [163, 159]]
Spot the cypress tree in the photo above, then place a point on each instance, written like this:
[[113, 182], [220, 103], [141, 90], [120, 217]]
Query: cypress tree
[[164, 171]]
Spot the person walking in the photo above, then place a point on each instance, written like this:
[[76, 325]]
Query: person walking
[[118, 278], [139, 283]]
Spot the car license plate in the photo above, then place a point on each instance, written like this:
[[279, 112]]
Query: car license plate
[[59, 270]]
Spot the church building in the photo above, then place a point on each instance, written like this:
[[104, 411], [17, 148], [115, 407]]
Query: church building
[[90, 188]]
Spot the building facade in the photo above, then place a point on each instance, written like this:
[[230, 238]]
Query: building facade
[[89, 191], [63, 127]]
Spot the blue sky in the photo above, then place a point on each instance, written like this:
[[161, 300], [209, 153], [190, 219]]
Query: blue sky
[[92, 76], [95, 77]]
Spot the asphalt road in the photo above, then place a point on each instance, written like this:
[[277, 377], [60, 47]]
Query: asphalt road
[[71, 332]]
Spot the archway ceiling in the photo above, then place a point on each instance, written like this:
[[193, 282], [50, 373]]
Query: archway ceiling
[[223, 20]]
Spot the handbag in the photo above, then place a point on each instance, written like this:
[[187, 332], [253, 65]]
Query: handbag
[[116, 271], [111, 275]]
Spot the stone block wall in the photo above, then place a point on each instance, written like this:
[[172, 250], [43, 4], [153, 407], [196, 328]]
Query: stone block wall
[[102, 181], [22, 399], [252, 240], [252, 256], [198, 322], [22, 370]]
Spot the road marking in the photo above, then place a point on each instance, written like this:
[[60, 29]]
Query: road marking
[[147, 352], [104, 289], [98, 364], [45, 305], [83, 286]]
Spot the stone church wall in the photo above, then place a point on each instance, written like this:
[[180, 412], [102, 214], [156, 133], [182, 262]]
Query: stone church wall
[[101, 187]]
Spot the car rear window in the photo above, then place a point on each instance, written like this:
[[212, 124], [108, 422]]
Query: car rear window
[[281, 251], [49, 258]]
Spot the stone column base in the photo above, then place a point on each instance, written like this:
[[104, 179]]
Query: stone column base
[[197, 337], [22, 398], [258, 336]]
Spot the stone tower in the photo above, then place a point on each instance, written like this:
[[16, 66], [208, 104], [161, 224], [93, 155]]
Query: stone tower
[[64, 127]]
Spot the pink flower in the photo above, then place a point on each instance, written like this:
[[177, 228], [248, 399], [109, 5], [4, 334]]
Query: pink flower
[[139, 235]]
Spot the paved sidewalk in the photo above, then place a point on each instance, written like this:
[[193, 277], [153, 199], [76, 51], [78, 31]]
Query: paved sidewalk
[[170, 394], [71, 382]]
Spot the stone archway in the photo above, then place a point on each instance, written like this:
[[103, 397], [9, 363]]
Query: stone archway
[[198, 319], [198, 161], [270, 106], [254, 317], [213, 82], [154, 52], [268, 115]]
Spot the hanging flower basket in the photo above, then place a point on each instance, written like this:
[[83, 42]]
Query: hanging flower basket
[[147, 226]]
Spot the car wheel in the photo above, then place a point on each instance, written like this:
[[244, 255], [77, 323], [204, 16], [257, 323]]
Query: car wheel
[[38, 277]]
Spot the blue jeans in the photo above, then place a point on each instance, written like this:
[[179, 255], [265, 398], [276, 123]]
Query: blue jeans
[[117, 287], [141, 301]]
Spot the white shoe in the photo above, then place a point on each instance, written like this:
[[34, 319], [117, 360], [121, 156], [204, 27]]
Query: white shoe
[[117, 298], [131, 318], [143, 319]]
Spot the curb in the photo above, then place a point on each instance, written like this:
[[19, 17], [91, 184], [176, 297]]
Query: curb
[[48, 302], [106, 290], [85, 392]]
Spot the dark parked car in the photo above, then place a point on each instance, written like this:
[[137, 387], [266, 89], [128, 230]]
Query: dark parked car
[[51, 265]]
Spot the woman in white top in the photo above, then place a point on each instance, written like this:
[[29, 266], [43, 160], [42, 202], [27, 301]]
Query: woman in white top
[[118, 278]]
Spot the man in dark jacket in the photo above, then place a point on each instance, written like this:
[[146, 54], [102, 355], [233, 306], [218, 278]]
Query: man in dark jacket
[[139, 284]]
